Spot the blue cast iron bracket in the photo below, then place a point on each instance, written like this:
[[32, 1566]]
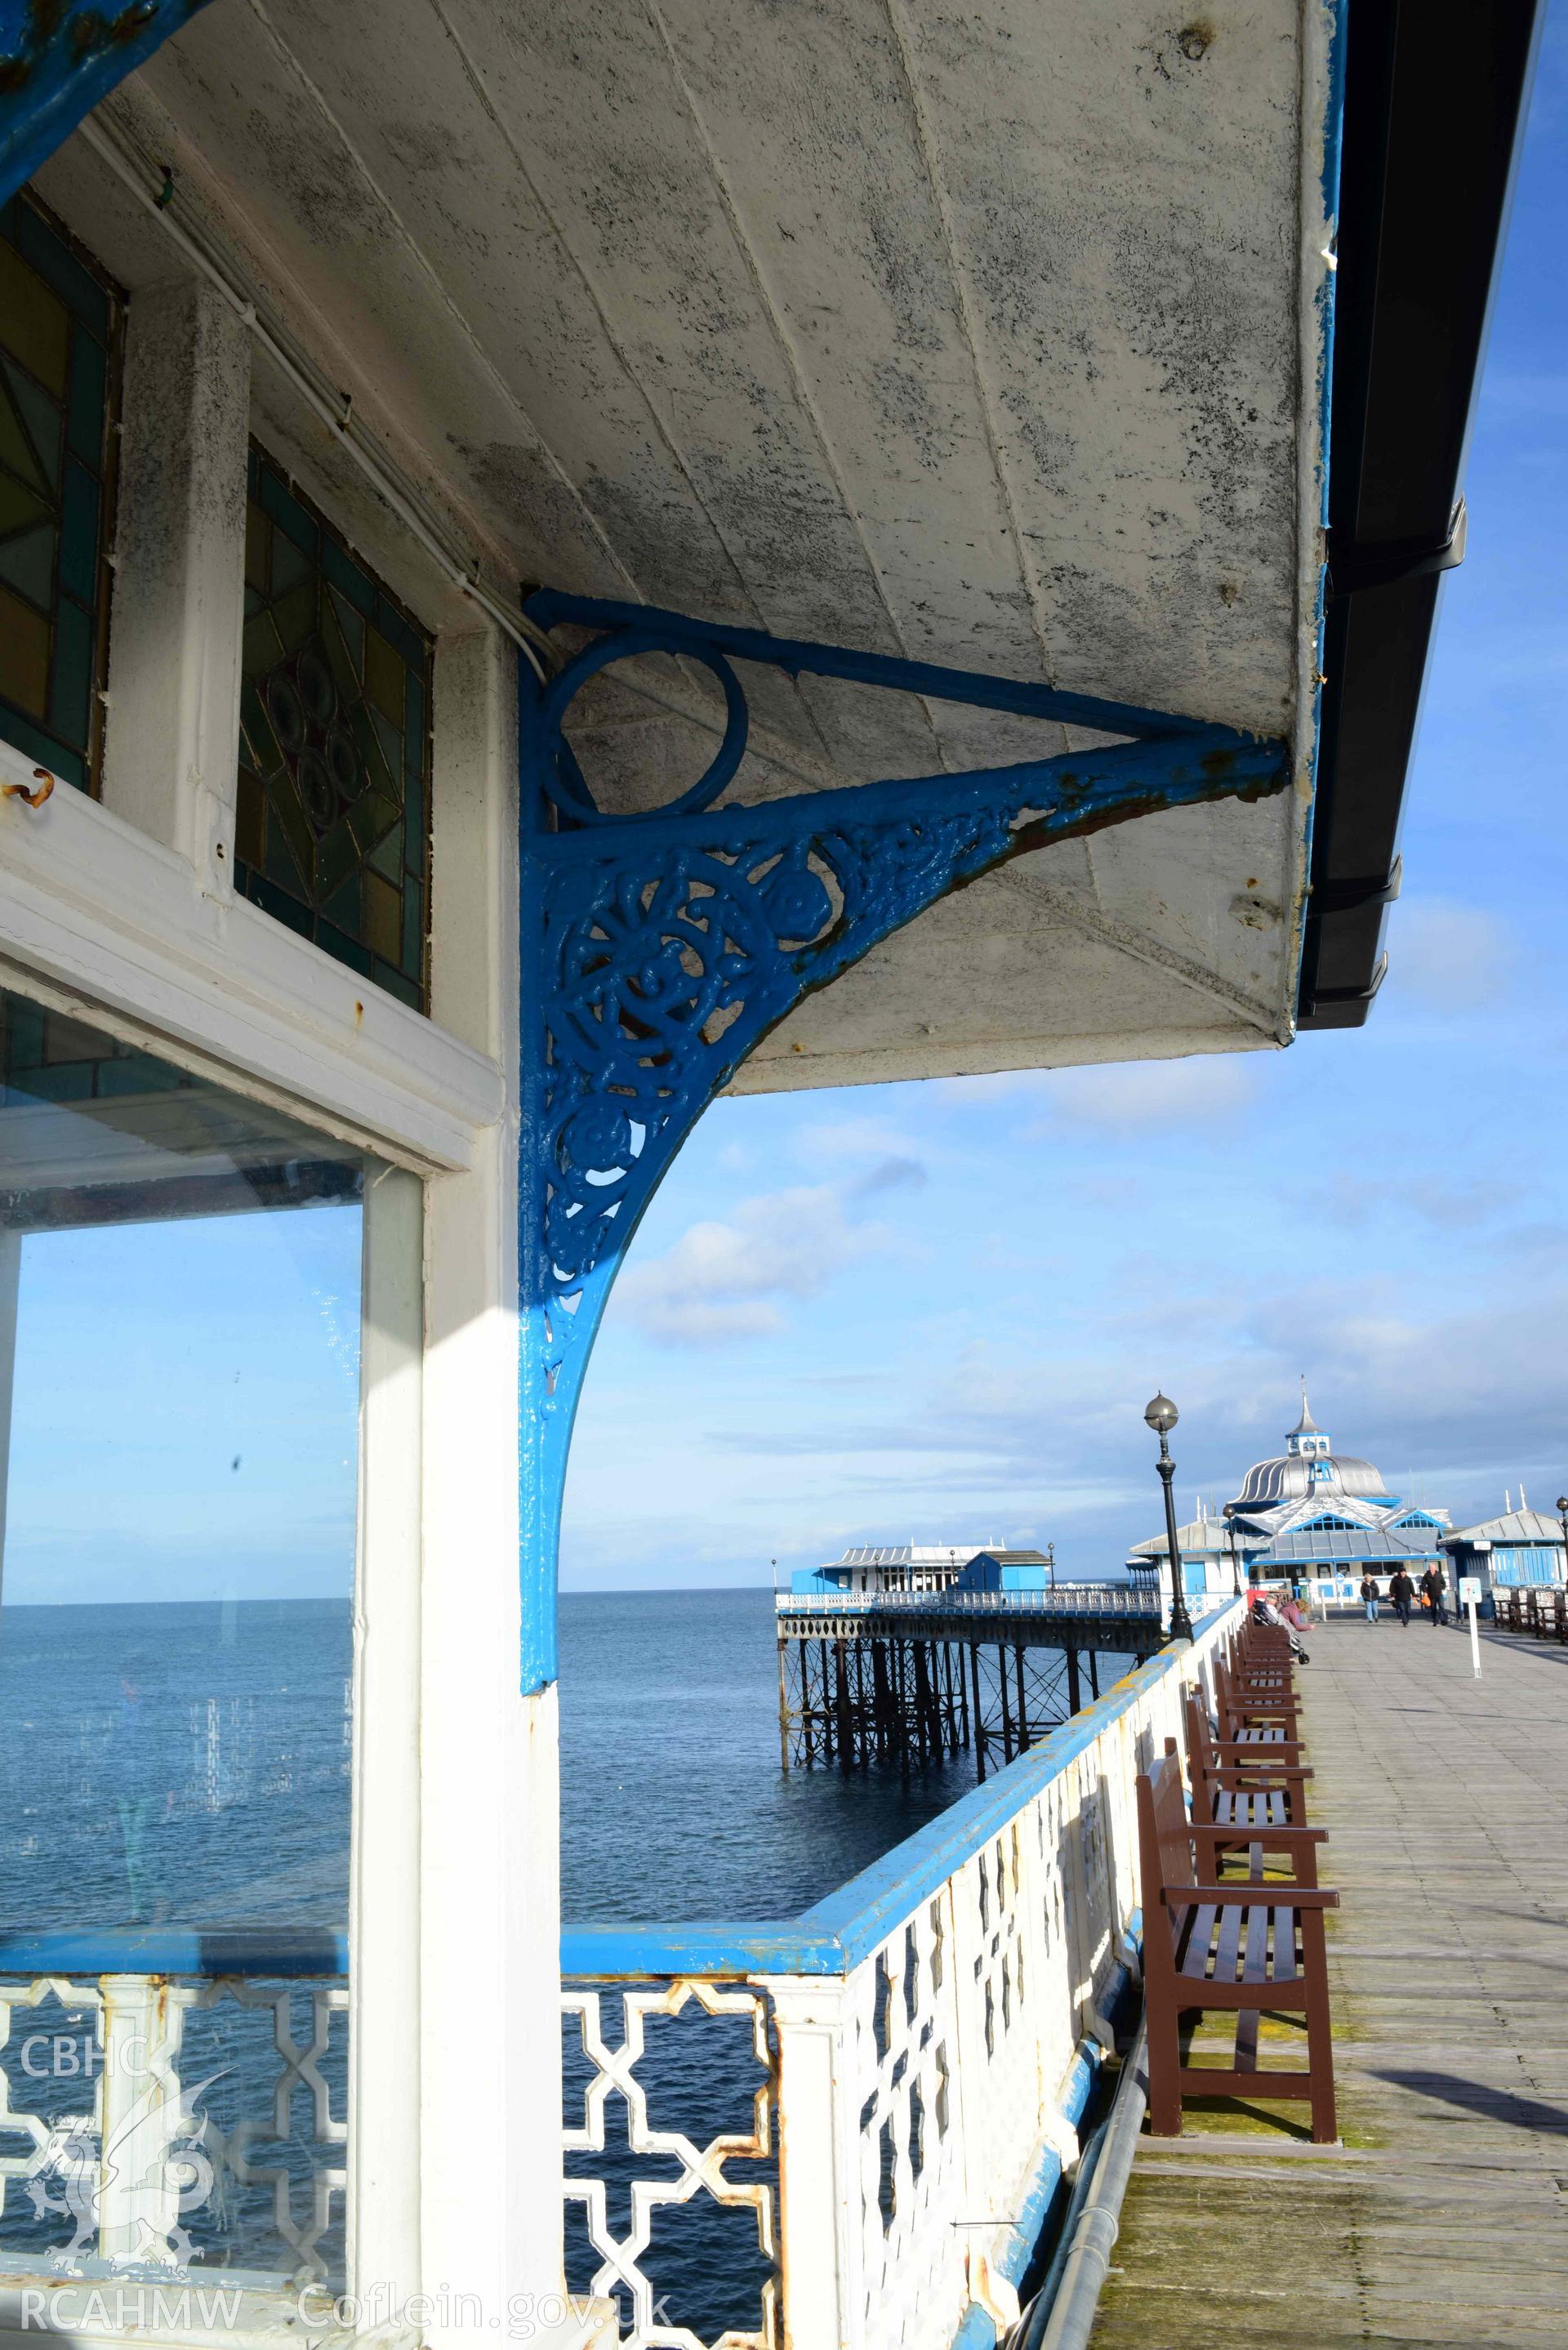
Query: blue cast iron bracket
[[58, 59], [658, 949]]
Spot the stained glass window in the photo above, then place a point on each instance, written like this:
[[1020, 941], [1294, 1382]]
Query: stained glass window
[[333, 824], [59, 370]]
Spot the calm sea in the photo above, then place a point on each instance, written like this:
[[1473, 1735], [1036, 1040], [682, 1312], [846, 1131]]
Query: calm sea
[[189, 1764]]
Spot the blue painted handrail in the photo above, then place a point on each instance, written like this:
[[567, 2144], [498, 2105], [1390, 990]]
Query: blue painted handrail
[[836, 1934], [273, 1953]]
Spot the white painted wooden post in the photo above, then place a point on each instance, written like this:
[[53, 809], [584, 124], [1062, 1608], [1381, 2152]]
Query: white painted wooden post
[[820, 2188], [492, 1917], [10, 1292], [383, 2210], [138, 2201], [178, 610]]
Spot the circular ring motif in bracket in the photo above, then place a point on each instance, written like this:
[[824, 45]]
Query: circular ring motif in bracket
[[796, 903], [596, 1137], [563, 778]]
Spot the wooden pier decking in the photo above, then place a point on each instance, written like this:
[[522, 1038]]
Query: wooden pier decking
[[1443, 2215]]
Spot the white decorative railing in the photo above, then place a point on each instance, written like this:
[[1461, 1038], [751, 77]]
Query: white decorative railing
[[1066, 1599], [925, 2040], [127, 2181]]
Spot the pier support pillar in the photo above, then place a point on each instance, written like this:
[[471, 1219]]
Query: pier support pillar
[[846, 1727], [978, 1716]]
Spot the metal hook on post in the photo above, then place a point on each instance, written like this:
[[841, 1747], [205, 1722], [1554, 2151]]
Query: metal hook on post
[[31, 796]]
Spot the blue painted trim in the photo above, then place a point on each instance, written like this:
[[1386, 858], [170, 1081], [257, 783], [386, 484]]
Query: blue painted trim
[[977, 2330], [658, 949], [837, 1933], [275, 1953], [550, 608], [56, 64]]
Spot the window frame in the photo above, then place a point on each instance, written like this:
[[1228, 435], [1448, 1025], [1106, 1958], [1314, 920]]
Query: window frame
[[381, 2206], [100, 920]]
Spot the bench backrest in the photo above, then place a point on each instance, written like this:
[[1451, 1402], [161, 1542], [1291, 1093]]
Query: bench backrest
[[1165, 1857], [1200, 1757]]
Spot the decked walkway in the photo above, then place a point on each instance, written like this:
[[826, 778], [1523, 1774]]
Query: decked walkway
[[1445, 2217]]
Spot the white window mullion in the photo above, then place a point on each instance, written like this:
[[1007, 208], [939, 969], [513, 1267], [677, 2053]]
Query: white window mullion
[[384, 1892]]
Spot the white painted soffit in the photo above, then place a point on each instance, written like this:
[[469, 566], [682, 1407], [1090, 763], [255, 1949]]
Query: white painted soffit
[[992, 340]]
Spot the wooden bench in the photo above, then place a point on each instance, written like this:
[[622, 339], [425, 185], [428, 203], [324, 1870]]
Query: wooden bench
[[1251, 1713], [1238, 1781], [1245, 1947]]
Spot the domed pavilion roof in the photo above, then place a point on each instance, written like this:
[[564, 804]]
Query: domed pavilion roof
[[1291, 1478], [1309, 1467]]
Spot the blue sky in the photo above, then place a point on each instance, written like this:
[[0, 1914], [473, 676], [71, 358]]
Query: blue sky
[[936, 1311]]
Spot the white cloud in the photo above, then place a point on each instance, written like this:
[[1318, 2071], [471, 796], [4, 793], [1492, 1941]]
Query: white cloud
[[830, 1141], [1448, 957], [1124, 1097], [723, 1281]]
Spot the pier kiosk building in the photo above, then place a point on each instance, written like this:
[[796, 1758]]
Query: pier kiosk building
[[551, 565], [911, 1651], [1309, 1515], [1518, 1547]]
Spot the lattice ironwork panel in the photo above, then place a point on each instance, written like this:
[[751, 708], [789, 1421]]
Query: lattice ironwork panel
[[177, 2133], [903, 2028], [635, 2099]]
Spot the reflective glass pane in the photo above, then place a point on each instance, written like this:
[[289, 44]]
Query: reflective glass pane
[[180, 1313]]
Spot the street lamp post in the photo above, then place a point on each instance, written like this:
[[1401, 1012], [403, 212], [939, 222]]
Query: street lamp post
[[1230, 1530], [1161, 1416], [1563, 1518]]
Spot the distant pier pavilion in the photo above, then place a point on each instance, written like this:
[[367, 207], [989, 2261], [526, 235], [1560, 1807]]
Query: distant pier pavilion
[[1308, 1514], [907, 1651]]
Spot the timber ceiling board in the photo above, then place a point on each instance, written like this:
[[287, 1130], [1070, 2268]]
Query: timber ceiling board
[[971, 338], [983, 337]]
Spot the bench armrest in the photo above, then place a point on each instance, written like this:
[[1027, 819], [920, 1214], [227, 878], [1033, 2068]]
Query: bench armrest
[[1231, 1751], [1249, 1896], [1235, 1834]]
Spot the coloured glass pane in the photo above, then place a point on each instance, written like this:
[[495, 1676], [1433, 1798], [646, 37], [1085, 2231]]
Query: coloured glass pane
[[59, 384], [334, 787]]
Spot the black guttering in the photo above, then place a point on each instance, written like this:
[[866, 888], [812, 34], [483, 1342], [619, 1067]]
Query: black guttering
[[1435, 96]]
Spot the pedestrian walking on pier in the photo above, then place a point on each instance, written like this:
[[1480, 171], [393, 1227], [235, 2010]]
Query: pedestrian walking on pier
[[1369, 1594], [1435, 1592], [1401, 1591]]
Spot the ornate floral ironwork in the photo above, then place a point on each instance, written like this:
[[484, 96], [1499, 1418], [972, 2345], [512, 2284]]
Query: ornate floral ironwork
[[59, 60], [658, 949]]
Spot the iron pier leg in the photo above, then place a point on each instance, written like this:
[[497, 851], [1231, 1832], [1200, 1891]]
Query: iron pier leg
[[1074, 1693], [963, 1698], [923, 1698], [1094, 1672], [1022, 1704], [846, 1738], [978, 1717], [1006, 1708], [783, 1707], [879, 1697]]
